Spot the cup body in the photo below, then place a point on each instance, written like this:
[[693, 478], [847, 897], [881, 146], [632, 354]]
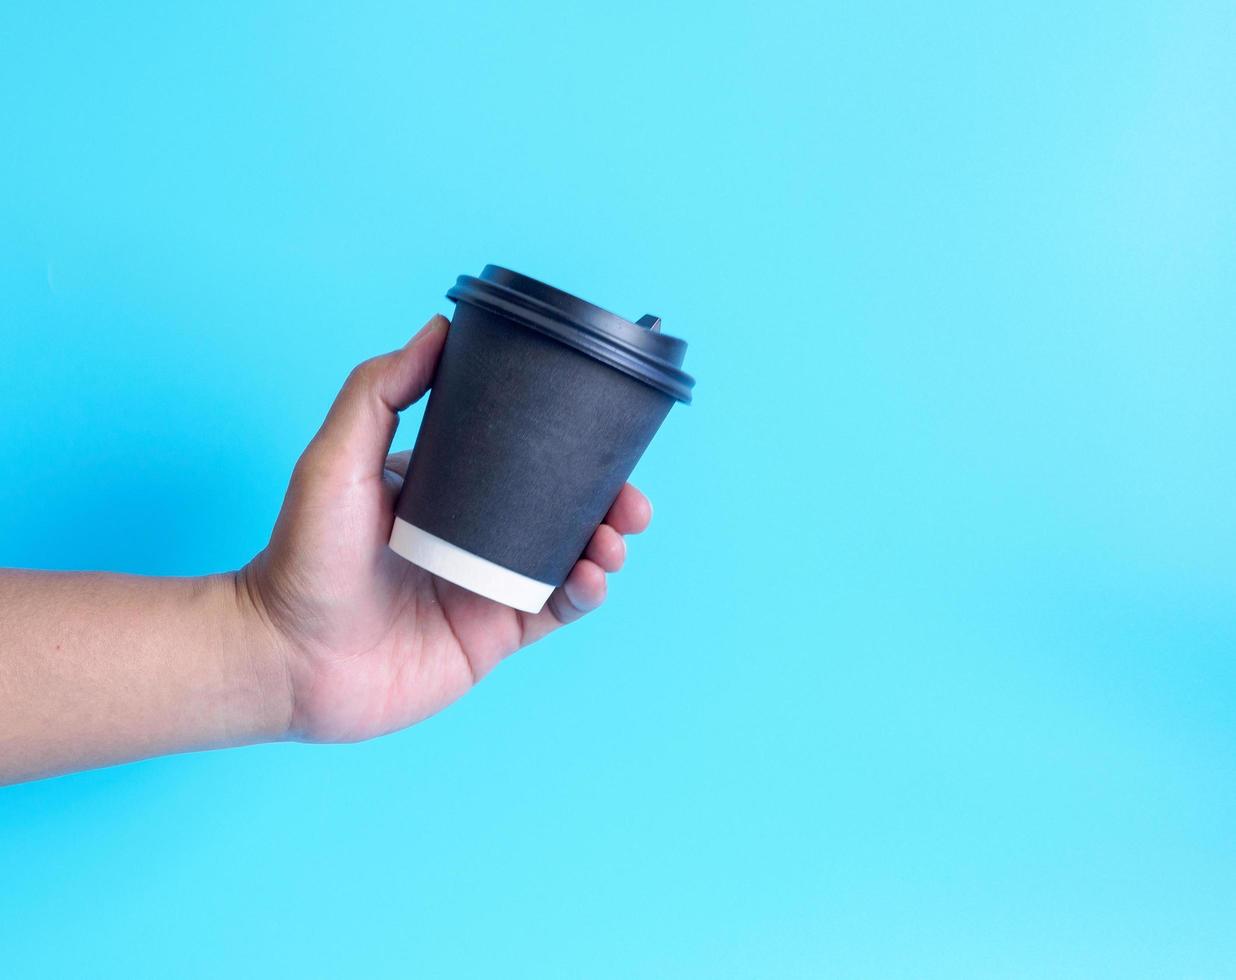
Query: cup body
[[525, 443]]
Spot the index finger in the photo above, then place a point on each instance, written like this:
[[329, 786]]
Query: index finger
[[630, 513]]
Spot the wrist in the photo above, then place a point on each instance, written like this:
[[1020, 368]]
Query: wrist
[[258, 655]]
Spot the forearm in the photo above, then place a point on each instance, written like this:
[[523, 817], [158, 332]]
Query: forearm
[[97, 669]]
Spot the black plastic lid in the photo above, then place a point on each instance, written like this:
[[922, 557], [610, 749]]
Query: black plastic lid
[[638, 349]]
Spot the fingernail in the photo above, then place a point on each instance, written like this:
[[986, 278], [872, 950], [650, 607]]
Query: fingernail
[[437, 321]]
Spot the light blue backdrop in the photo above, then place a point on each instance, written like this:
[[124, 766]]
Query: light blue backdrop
[[928, 664]]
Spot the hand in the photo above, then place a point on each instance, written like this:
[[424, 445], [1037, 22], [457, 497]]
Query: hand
[[371, 642]]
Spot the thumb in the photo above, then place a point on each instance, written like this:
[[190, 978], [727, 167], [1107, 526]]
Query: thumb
[[356, 436]]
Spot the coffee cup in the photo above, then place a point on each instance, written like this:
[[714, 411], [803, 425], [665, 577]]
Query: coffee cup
[[541, 406]]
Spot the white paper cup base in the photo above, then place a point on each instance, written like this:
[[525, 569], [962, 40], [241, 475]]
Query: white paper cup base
[[474, 573]]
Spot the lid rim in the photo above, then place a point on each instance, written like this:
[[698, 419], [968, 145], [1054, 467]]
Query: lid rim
[[567, 326]]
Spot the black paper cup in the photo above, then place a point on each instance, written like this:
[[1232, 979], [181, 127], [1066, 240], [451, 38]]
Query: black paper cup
[[541, 406]]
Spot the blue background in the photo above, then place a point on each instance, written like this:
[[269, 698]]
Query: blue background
[[926, 667]]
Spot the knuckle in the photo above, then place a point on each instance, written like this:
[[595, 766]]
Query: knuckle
[[364, 374], [307, 468]]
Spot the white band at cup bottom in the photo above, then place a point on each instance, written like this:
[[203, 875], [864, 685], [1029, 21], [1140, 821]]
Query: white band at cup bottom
[[474, 573]]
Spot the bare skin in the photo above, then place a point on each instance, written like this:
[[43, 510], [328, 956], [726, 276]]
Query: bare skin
[[325, 636]]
